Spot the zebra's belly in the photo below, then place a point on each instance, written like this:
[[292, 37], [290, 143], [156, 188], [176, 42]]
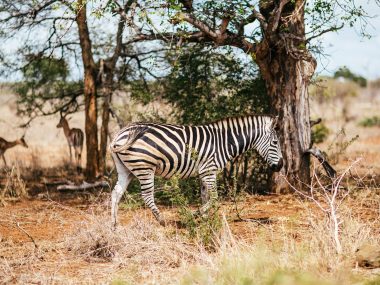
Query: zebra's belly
[[182, 170]]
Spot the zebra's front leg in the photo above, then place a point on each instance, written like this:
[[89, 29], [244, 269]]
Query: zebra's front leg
[[209, 194], [147, 193]]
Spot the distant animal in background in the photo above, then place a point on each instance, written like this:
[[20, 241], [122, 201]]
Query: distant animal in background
[[74, 138], [4, 145]]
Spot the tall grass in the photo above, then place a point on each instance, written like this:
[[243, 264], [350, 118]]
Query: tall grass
[[15, 186]]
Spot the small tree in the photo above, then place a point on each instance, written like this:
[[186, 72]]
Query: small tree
[[45, 89]]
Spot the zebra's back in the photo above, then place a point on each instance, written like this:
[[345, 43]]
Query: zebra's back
[[167, 149]]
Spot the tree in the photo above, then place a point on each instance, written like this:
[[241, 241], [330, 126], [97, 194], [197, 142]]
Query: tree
[[273, 33], [90, 74]]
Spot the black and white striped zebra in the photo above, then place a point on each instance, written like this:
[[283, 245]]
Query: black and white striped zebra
[[143, 150]]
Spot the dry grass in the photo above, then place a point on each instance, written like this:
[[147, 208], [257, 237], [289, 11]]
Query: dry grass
[[293, 257], [14, 186], [82, 248]]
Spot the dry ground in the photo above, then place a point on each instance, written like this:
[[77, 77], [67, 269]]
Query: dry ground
[[67, 242]]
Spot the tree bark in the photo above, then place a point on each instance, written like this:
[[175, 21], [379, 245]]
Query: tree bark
[[107, 75], [286, 67], [107, 89], [90, 71]]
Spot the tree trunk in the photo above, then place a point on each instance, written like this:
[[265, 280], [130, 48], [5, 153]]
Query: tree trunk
[[287, 67], [107, 72], [107, 89], [90, 69], [287, 85]]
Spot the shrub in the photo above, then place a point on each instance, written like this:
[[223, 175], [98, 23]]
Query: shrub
[[339, 145], [201, 228], [319, 133], [15, 186], [370, 122]]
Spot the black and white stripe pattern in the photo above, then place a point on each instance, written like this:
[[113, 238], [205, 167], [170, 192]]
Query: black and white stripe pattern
[[143, 150]]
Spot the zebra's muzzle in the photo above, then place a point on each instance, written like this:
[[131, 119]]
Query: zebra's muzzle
[[277, 167]]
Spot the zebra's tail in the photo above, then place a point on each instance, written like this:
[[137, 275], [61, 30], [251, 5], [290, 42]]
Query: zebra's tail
[[124, 138]]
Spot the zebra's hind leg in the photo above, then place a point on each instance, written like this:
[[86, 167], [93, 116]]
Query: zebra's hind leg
[[209, 194], [124, 177], [147, 192]]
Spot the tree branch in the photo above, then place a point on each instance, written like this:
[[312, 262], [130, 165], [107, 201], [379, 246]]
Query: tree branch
[[332, 29], [275, 18], [224, 25], [196, 23], [326, 165], [315, 122], [255, 15]]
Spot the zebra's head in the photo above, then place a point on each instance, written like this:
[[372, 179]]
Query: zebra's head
[[269, 145]]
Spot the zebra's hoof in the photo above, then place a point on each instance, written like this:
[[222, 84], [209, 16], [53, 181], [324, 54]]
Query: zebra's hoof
[[162, 222]]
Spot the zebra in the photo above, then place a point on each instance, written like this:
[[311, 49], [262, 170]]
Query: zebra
[[143, 150]]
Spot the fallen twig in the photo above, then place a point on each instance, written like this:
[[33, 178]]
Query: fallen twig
[[83, 186], [25, 232]]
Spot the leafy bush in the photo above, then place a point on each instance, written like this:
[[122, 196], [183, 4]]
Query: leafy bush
[[370, 122], [45, 86], [213, 85], [339, 145], [344, 72], [202, 228], [319, 133]]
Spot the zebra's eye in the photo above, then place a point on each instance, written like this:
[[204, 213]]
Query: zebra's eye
[[275, 142]]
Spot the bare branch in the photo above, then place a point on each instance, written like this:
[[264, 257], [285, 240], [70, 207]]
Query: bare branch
[[224, 25], [30, 13], [315, 122], [331, 29], [29, 236]]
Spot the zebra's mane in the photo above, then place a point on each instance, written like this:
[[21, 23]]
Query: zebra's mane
[[271, 117]]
